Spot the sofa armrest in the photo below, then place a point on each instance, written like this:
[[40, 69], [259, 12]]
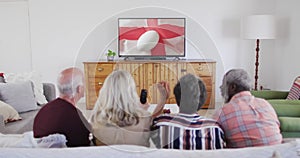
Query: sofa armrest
[[270, 94], [286, 108], [49, 91], [1, 124]]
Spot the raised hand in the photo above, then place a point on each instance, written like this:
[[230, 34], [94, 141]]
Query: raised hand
[[164, 90]]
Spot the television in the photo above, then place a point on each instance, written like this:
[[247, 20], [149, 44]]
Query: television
[[151, 37]]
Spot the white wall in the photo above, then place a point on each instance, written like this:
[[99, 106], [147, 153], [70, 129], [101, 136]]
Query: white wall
[[62, 34], [15, 51], [286, 66]]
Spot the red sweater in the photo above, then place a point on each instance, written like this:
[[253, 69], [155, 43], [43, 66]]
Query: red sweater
[[60, 116]]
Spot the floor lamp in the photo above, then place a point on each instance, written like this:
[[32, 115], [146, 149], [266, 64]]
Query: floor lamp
[[258, 27]]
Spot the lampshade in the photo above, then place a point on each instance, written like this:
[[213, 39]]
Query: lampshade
[[258, 27]]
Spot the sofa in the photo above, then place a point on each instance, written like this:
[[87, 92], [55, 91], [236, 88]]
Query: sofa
[[286, 150], [26, 124], [288, 111]]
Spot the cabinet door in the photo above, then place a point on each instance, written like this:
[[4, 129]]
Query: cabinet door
[[138, 72], [205, 71], [166, 71]]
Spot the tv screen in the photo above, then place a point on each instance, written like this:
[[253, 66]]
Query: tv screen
[[151, 37]]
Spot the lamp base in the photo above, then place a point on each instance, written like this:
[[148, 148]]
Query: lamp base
[[256, 64]]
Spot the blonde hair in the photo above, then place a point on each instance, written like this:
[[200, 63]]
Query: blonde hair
[[118, 101]]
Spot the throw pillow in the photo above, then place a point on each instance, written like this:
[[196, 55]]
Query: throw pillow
[[9, 113], [35, 78], [294, 93], [19, 95]]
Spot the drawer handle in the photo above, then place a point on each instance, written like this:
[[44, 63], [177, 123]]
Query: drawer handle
[[100, 83], [200, 69], [100, 69], [183, 70]]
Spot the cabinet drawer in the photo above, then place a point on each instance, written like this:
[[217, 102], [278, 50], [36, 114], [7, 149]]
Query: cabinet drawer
[[92, 100], [95, 84], [208, 83], [201, 69], [207, 101], [99, 70], [97, 81]]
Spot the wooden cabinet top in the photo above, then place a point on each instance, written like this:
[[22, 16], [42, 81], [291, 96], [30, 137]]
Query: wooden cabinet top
[[153, 61]]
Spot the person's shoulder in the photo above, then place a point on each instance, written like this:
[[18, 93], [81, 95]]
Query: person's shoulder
[[48, 105], [180, 118], [165, 116], [55, 102], [208, 121], [262, 100], [263, 103]]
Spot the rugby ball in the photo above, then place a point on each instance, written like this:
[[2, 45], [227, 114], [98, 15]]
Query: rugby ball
[[147, 40]]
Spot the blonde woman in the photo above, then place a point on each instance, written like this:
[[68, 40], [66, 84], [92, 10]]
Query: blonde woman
[[118, 117]]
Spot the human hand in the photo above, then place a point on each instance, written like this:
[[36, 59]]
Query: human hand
[[164, 90], [145, 106], [166, 111]]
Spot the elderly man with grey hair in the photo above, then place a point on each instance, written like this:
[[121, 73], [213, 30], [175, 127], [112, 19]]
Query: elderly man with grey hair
[[246, 120], [61, 115], [187, 130]]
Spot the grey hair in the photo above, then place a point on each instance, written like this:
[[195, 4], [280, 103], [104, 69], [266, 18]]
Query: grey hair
[[238, 77], [190, 93], [118, 101], [69, 88]]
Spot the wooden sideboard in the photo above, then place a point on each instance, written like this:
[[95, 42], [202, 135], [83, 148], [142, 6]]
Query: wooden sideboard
[[147, 73]]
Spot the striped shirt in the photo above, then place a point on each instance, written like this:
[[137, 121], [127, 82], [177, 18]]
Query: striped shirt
[[248, 121], [187, 131]]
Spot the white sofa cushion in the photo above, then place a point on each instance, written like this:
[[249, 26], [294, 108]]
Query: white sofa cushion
[[19, 95]]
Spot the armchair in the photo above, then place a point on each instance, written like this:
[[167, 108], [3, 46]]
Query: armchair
[[288, 111]]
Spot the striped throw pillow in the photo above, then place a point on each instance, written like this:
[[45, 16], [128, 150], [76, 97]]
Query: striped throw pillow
[[294, 93]]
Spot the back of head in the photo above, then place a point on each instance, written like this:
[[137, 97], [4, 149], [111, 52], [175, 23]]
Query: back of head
[[190, 94], [68, 81], [236, 78], [118, 100]]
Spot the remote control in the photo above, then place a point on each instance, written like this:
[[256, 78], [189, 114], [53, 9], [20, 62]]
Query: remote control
[[143, 96]]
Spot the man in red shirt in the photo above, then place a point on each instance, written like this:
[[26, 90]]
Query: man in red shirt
[[60, 115], [246, 120]]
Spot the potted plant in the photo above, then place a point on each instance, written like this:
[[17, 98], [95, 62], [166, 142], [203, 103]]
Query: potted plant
[[110, 55]]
